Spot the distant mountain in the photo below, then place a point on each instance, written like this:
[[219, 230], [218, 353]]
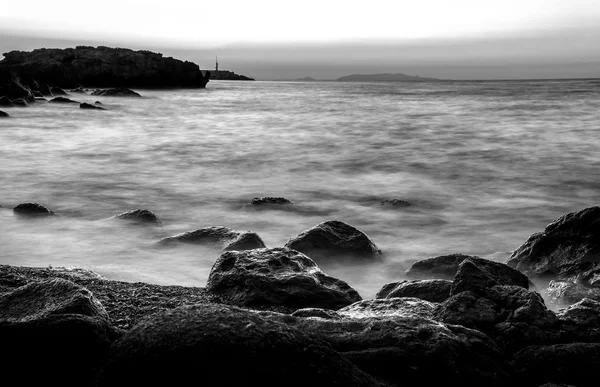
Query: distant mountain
[[384, 78]]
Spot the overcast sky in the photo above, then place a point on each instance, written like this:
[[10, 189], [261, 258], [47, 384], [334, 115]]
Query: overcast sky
[[459, 39]]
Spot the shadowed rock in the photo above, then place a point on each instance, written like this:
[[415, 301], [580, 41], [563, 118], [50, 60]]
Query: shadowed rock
[[92, 107], [335, 240], [139, 216], [97, 103], [32, 209], [78, 90], [219, 236], [433, 290], [224, 346], [117, 92], [62, 100], [278, 276], [37, 94], [14, 90], [2, 114], [57, 91], [5, 101], [21, 102]]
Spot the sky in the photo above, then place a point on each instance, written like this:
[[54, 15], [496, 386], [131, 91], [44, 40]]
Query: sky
[[459, 39]]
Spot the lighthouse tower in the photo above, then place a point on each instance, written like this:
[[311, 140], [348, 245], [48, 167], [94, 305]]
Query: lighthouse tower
[[216, 64]]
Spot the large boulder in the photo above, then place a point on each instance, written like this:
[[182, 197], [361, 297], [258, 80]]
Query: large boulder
[[568, 249], [432, 290], [446, 267], [334, 239], [219, 345], [53, 332], [117, 92], [32, 209], [278, 276], [572, 363], [141, 216], [219, 236], [14, 90]]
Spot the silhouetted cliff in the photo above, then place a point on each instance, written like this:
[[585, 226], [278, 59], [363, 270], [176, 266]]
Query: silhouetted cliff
[[99, 67], [226, 75]]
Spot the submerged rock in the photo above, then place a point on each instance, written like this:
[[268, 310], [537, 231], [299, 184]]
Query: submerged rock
[[432, 290], [88, 106], [278, 276], [395, 203], [334, 239], [62, 100], [139, 216], [32, 209], [224, 346], [222, 237], [268, 201], [117, 92], [566, 292], [2, 114]]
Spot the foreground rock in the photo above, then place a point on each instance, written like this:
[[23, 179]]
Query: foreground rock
[[335, 240], [47, 325], [446, 267], [278, 276], [118, 92], [222, 237], [32, 209], [99, 67], [224, 346], [139, 216], [433, 290], [2, 114], [91, 107]]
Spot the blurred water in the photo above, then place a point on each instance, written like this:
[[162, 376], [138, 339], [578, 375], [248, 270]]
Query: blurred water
[[485, 164]]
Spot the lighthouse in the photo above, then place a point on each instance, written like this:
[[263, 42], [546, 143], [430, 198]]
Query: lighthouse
[[216, 63]]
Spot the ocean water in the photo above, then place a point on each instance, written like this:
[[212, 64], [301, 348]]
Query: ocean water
[[484, 164]]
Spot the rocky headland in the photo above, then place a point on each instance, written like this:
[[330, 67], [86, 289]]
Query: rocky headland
[[226, 75], [270, 316]]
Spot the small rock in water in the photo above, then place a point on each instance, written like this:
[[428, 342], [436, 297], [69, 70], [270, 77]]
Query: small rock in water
[[62, 100], [396, 203], [432, 290], [2, 114], [32, 209], [88, 106], [57, 91], [268, 201], [139, 215], [20, 102], [116, 92], [223, 237], [98, 103]]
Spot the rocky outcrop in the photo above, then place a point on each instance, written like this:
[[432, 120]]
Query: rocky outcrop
[[567, 292], [224, 346], [99, 67], [335, 240], [225, 75], [15, 90], [218, 236], [139, 216], [117, 92], [62, 100], [3, 114], [91, 107], [432, 290], [32, 209], [278, 276]]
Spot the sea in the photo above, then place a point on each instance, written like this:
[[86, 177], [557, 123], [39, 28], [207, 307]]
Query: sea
[[484, 164]]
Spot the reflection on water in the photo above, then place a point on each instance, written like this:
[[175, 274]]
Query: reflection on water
[[484, 164]]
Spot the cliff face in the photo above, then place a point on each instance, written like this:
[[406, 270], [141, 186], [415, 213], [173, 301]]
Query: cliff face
[[99, 67]]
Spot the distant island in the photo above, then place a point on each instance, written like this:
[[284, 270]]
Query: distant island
[[384, 78], [226, 75], [306, 79], [99, 67]]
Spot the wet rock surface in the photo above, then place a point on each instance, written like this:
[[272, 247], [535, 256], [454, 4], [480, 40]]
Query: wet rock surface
[[566, 292], [432, 290], [32, 210], [278, 276], [116, 92], [91, 107], [268, 202], [389, 307], [62, 100], [142, 216], [217, 236]]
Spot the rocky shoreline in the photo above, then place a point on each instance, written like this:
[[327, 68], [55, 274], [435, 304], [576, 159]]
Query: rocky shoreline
[[277, 319]]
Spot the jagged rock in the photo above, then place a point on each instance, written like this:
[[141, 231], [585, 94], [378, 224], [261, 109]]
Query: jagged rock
[[573, 363], [32, 209], [62, 100], [479, 273], [446, 267], [5, 101], [117, 92], [269, 201], [222, 237], [568, 249], [47, 325], [14, 90], [566, 292], [224, 346], [278, 276], [88, 106], [139, 216], [580, 322], [2, 114], [432, 290], [396, 203], [20, 102], [410, 351], [389, 307], [317, 312], [334, 240]]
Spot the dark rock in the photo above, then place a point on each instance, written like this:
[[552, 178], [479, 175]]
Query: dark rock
[[278, 276], [446, 267], [566, 292], [396, 203], [57, 91], [97, 103], [47, 325], [88, 106], [556, 385], [20, 102], [568, 249], [2, 114], [580, 322], [335, 240], [37, 94], [476, 274], [118, 92], [32, 209], [432, 290], [45, 90], [268, 201], [139, 216], [62, 100], [225, 75], [222, 237], [14, 90], [41, 99], [389, 307], [573, 363], [224, 346], [5, 101], [78, 90], [410, 351]]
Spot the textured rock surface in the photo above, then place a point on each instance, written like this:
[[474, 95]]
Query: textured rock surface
[[395, 203], [139, 216], [568, 249], [432, 290], [268, 201], [32, 209], [278, 276], [21, 102], [566, 292], [389, 307], [99, 67], [334, 240], [222, 237], [219, 345], [117, 92]]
